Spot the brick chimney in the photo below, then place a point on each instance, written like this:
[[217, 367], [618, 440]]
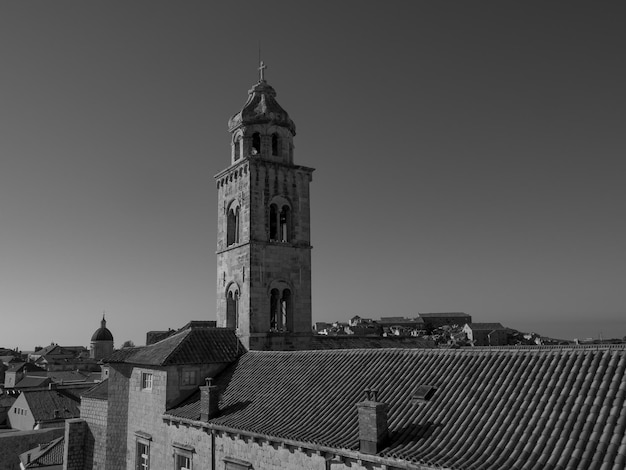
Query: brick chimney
[[208, 400], [373, 426]]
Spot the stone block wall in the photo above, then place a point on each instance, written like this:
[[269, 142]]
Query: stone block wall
[[271, 456], [94, 412], [73, 453], [117, 416]]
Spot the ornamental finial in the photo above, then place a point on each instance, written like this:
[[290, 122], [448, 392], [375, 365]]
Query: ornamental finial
[[261, 71]]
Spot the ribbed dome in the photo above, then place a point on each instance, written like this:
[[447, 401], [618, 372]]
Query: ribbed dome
[[262, 108], [102, 333]]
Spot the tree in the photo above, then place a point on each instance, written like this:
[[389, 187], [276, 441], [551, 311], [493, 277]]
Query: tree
[[128, 344]]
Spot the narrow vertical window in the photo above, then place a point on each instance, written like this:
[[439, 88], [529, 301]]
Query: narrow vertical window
[[146, 381], [232, 308], [285, 310], [273, 222], [142, 460], [256, 143], [238, 148], [275, 148], [274, 315], [284, 224], [232, 226]]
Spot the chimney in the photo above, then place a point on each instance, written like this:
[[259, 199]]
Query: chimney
[[208, 400], [373, 427]]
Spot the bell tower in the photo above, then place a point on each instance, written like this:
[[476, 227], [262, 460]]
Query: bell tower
[[263, 235]]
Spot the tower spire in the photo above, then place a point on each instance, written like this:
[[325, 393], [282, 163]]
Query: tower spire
[[262, 68]]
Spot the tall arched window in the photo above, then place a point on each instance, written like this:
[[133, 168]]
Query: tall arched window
[[232, 225], [232, 307], [274, 315], [284, 224], [280, 221], [238, 148], [275, 144], [286, 310], [273, 222], [256, 143], [281, 307]]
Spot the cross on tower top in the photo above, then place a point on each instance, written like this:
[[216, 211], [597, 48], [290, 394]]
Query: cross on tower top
[[261, 71]]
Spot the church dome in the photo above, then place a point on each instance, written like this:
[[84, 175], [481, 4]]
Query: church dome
[[102, 333], [262, 108]]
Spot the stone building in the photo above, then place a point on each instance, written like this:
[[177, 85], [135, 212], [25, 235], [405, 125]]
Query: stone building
[[263, 239]]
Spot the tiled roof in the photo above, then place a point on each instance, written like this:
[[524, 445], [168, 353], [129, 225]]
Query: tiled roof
[[196, 345], [491, 409], [443, 314], [46, 455], [43, 403], [99, 392], [366, 342], [486, 326], [31, 381]]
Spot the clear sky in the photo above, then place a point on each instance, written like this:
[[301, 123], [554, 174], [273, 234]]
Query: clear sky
[[470, 156]]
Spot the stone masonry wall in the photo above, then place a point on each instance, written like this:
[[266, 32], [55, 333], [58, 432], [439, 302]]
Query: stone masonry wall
[[117, 417], [94, 412], [267, 456], [74, 451], [14, 443], [145, 417]]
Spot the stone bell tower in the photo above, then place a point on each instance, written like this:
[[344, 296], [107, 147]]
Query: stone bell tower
[[263, 235]]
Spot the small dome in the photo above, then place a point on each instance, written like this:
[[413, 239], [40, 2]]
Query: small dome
[[102, 333], [262, 108]]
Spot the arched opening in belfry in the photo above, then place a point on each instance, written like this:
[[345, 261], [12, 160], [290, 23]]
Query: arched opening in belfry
[[286, 310], [238, 148], [284, 224], [232, 225], [275, 144], [232, 307], [274, 313], [256, 143], [280, 222], [273, 222]]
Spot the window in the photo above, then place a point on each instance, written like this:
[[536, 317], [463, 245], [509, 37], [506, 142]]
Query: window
[[146, 381], [190, 377], [183, 456], [238, 148], [281, 310], [280, 222], [232, 224], [232, 306], [256, 143], [142, 459], [183, 462], [275, 146]]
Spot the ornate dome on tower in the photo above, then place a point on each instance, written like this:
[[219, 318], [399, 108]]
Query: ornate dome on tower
[[262, 108], [101, 341], [102, 333]]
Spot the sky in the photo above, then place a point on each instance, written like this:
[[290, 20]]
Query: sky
[[470, 156]]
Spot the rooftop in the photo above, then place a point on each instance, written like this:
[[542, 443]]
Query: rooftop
[[489, 409], [193, 345], [49, 405], [45, 455]]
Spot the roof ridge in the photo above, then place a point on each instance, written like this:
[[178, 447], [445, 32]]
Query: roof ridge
[[184, 334]]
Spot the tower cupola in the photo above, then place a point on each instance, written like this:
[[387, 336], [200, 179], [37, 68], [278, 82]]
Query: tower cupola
[[101, 341], [262, 128]]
